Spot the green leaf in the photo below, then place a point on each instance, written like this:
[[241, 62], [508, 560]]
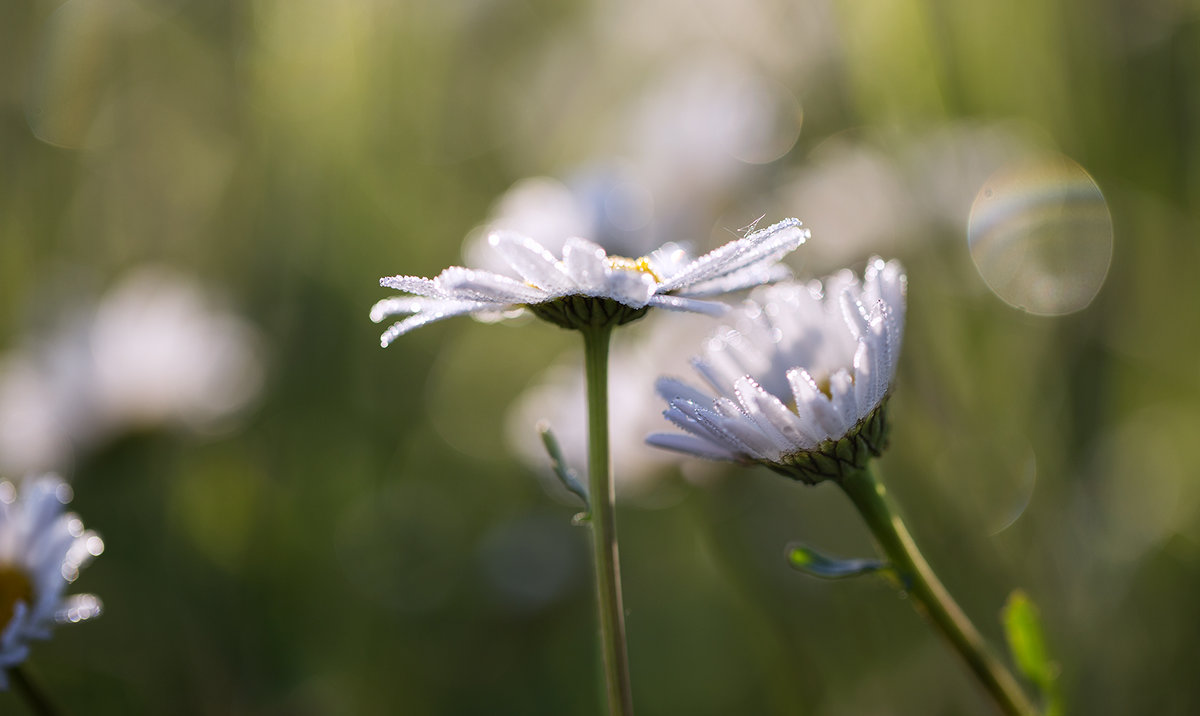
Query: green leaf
[[1023, 627], [565, 474], [813, 563]]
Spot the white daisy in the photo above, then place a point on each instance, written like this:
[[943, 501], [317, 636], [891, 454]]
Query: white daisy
[[42, 549], [802, 380], [587, 287]]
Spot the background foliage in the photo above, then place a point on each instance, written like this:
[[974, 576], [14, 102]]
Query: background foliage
[[360, 539]]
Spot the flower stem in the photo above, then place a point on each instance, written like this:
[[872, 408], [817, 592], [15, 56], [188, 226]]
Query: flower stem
[[930, 597], [604, 527], [39, 703]]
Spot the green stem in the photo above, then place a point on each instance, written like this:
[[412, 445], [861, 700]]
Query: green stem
[[604, 527], [929, 596], [39, 703]]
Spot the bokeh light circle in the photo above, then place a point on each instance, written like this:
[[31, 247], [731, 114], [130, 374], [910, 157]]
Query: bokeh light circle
[[1041, 235]]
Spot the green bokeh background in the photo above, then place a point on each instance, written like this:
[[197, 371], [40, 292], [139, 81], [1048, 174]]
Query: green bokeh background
[[340, 550]]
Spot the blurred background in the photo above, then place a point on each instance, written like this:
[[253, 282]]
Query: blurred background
[[197, 200]]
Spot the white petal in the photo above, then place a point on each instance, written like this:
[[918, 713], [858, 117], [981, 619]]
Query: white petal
[[766, 245], [809, 398], [402, 305], [735, 419], [783, 427], [464, 284], [632, 288], [679, 303], [584, 263], [429, 314], [532, 262], [690, 445], [855, 314], [722, 430], [413, 284], [672, 389], [756, 275], [841, 391], [669, 260], [864, 380]]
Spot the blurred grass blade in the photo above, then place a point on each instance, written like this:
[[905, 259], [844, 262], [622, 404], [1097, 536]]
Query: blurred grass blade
[[565, 474], [1023, 628], [808, 560]]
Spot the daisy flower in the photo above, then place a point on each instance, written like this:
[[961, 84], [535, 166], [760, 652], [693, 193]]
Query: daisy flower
[[801, 381], [586, 287], [42, 550]]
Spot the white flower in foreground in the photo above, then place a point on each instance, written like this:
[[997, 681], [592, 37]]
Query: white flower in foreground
[[42, 549], [587, 287], [801, 382]]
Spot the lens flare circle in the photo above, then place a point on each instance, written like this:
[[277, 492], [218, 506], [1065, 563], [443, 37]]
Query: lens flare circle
[[1041, 236]]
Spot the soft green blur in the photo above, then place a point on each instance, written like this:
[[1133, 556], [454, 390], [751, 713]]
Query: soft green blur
[[361, 539]]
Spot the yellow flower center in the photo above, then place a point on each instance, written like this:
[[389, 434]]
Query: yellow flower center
[[14, 587], [641, 265], [824, 385]]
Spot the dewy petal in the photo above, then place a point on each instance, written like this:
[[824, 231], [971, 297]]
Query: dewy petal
[[672, 390], [403, 305], [532, 261], [788, 430], [584, 263], [668, 260], [632, 288], [855, 315], [736, 420], [705, 424], [864, 379], [762, 245], [690, 445], [432, 311], [484, 286], [809, 398], [749, 277], [841, 396], [415, 285], [680, 303]]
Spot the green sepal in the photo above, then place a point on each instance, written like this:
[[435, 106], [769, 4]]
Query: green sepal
[[1023, 628], [805, 559], [586, 312], [837, 459]]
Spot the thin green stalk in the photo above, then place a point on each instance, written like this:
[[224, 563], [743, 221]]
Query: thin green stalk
[[930, 597], [604, 527], [39, 703]]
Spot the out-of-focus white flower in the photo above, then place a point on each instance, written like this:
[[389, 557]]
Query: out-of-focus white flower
[[42, 550], [706, 121], [801, 382], [155, 350], [885, 193], [609, 202], [587, 286], [163, 353]]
